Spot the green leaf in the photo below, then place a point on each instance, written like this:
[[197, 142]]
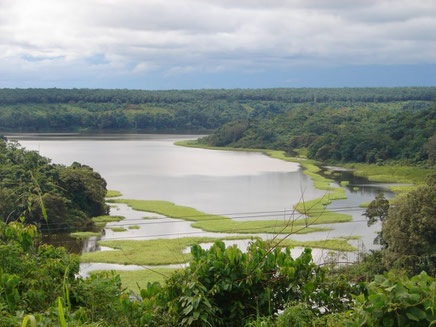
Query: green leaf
[[388, 321], [420, 314]]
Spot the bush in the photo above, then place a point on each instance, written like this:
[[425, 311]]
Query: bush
[[226, 287], [396, 301]]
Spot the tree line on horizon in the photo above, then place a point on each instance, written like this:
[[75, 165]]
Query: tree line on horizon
[[56, 110]]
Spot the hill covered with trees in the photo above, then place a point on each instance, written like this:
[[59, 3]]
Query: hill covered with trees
[[365, 133], [184, 110]]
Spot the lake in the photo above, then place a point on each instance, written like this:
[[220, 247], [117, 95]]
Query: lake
[[240, 185]]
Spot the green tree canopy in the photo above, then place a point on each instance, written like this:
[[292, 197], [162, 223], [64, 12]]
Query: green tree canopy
[[51, 196], [409, 230]]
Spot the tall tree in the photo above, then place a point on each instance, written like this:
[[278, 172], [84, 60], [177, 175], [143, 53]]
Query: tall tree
[[409, 231]]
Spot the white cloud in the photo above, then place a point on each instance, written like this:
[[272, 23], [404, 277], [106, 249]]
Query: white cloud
[[191, 35]]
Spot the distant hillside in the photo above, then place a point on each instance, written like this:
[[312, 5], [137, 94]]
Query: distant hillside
[[371, 133], [184, 110]]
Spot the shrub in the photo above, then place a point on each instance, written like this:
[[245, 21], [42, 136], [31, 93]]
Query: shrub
[[396, 301]]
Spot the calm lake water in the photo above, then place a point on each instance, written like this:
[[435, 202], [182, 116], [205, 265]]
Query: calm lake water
[[240, 185], [151, 167]]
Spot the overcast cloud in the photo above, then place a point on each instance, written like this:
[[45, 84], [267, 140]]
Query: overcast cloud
[[85, 43]]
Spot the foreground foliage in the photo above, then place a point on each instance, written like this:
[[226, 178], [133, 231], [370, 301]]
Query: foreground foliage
[[226, 287], [221, 287], [396, 301]]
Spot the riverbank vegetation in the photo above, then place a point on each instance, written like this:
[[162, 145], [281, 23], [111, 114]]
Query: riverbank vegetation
[[101, 221], [113, 194], [118, 229], [54, 197], [85, 235]]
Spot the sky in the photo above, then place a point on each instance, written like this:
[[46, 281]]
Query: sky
[[192, 44]]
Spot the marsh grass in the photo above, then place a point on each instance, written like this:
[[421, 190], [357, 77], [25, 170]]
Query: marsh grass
[[83, 235], [365, 204], [333, 244], [113, 193], [403, 188], [148, 252], [302, 152], [132, 279], [133, 227], [118, 229], [170, 251], [345, 183], [101, 221], [222, 224], [394, 173], [351, 237], [391, 201]]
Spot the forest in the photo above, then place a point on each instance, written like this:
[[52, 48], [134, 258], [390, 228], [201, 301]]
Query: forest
[[55, 110], [362, 134], [53, 197]]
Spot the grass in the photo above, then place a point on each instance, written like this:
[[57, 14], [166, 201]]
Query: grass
[[170, 251], [302, 152], [83, 235], [147, 252], [394, 173], [101, 221], [403, 188], [146, 217], [133, 227], [113, 193], [132, 279], [221, 224], [356, 188], [365, 204], [118, 229], [353, 237], [345, 183], [336, 245]]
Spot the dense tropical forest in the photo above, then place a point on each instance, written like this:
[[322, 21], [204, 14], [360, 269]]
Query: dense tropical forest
[[190, 110], [395, 286], [361, 134]]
